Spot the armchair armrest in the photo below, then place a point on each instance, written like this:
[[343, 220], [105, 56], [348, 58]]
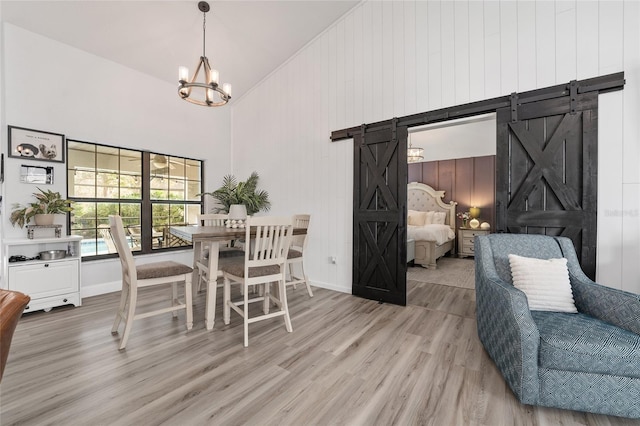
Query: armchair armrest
[[505, 326], [614, 306]]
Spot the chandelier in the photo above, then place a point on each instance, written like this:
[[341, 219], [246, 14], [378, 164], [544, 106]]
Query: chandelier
[[208, 92], [414, 155]]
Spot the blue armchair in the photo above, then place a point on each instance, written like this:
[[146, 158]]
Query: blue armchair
[[589, 361]]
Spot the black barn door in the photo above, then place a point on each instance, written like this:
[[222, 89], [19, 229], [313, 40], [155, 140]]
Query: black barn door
[[379, 214], [546, 171]]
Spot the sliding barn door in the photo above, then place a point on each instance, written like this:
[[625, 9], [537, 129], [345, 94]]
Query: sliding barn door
[[546, 171], [379, 214]]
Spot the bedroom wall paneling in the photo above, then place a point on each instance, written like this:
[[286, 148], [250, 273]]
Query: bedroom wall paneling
[[473, 185], [537, 24]]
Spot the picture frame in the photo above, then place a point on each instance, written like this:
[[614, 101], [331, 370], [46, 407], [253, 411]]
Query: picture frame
[[30, 144]]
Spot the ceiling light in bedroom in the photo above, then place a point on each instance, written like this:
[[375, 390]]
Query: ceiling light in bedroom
[[414, 155], [210, 92]]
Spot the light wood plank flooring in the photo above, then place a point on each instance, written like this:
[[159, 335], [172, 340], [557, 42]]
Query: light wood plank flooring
[[349, 361]]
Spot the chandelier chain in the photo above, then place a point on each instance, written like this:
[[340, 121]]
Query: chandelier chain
[[204, 33]]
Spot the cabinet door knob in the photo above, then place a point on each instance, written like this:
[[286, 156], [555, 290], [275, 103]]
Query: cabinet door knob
[[46, 265], [64, 300]]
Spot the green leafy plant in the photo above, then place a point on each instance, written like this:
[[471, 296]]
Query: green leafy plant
[[48, 202], [247, 193]]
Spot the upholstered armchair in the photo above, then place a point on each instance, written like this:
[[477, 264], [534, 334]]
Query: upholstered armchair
[[585, 361], [12, 304]]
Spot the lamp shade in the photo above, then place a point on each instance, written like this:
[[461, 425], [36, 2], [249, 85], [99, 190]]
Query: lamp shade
[[237, 212], [474, 212]]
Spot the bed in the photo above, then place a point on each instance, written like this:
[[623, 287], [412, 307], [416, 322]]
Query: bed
[[431, 224]]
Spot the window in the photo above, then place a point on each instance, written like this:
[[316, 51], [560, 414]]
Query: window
[[150, 191]]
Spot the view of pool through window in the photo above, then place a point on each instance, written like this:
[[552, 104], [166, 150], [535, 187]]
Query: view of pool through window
[[107, 180]]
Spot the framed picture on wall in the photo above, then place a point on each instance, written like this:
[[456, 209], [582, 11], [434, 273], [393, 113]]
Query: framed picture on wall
[[36, 144]]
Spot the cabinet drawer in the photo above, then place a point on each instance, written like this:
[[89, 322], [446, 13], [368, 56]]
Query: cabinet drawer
[[45, 279], [472, 234], [51, 302], [468, 241]]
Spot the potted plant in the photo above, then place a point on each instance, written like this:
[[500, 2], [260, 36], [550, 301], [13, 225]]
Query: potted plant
[[245, 193], [47, 204]]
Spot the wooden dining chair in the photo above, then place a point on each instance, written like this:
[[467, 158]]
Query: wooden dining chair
[[296, 253], [203, 262], [147, 275], [263, 264], [225, 250]]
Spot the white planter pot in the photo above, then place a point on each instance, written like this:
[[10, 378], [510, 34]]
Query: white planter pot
[[44, 219]]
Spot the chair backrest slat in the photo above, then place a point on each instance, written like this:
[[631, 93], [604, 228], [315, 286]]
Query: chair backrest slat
[[299, 242], [212, 219], [271, 241]]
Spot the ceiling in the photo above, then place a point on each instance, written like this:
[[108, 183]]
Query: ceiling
[[245, 40]]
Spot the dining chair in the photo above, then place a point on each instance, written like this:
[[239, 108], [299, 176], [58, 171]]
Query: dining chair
[[224, 248], [105, 233], [147, 275], [263, 264], [296, 253], [202, 263]]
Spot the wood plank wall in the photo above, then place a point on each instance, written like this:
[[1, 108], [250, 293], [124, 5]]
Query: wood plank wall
[[391, 59], [467, 181]]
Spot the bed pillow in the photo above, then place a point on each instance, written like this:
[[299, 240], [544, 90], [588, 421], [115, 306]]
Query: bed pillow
[[545, 282], [429, 218], [439, 218], [416, 218]]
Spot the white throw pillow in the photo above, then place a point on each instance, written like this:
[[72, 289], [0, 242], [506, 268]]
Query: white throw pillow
[[545, 282], [439, 218], [416, 218]]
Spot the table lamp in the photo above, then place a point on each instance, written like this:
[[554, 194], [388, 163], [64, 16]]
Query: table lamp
[[474, 212]]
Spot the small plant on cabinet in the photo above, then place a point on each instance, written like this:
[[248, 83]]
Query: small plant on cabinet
[[47, 202]]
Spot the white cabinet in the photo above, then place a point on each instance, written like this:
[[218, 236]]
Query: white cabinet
[[49, 283], [466, 238]]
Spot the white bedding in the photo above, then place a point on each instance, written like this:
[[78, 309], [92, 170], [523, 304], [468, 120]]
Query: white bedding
[[438, 233]]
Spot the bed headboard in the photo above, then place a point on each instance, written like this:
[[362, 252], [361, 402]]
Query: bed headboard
[[424, 198]]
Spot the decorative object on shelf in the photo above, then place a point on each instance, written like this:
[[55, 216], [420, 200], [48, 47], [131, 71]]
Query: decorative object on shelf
[[464, 216], [414, 155], [474, 212], [31, 228], [36, 144], [246, 193], [485, 225], [36, 174], [48, 202], [212, 95], [474, 223]]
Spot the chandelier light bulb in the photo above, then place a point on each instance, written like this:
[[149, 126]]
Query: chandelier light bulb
[[183, 73], [226, 88], [215, 75]]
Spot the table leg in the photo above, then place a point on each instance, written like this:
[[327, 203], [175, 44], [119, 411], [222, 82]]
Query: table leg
[[197, 252], [212, 284]]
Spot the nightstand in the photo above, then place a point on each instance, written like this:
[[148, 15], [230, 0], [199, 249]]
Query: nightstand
[[465, 240]]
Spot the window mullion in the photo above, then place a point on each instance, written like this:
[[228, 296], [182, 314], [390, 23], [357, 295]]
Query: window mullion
[[146, 215]]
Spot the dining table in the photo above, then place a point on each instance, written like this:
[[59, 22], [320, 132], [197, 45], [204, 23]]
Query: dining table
[[212, 236]]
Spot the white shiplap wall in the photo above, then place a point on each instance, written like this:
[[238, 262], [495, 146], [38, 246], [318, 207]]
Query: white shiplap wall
[[386, 59], [42, 88]]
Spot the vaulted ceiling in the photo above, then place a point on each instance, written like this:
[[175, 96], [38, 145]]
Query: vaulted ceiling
[[245, 40]]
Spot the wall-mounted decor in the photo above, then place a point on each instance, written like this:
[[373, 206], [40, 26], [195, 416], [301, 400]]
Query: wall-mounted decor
[[36, 144], [36, 174]]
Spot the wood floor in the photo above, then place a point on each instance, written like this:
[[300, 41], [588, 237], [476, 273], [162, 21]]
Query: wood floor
[[349, 361]]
